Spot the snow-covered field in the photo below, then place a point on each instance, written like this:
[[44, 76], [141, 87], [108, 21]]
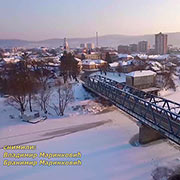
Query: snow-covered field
[[106, 154]]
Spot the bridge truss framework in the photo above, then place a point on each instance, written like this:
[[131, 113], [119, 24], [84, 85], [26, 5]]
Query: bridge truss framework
[[159, 113]]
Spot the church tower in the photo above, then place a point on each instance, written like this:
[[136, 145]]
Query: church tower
[[65, 45]]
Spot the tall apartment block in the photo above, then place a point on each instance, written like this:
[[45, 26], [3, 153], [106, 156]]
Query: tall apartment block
[[143, 46], [161, 46]]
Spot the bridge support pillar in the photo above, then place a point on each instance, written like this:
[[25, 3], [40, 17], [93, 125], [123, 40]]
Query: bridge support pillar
[[147, 134]]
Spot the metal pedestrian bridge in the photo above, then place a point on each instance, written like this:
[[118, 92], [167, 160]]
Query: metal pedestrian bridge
[[156, 112]]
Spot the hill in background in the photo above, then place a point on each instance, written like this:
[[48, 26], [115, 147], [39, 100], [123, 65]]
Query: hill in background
[[107, 40]]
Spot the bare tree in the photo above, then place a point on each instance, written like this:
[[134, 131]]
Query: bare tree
[[17, 86], [19, 102], [43, 76], [18, 82], [64, 95], [27, 61], [43, 98]]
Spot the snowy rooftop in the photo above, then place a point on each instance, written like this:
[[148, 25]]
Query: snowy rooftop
[[125, 63], [124, 56], [12, 59], [141, 56], [53, 64], [114, 53], [114, 64], [77, 59], [99, 61], [159, 57], [92, 62], [156, 68], [155, 63], [88, 62], [144, 56], [141, 73]]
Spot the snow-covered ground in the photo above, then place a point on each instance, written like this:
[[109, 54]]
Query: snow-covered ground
[[106, 154], [171, 94]]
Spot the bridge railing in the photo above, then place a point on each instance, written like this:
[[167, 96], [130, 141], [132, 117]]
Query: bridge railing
[[161, 102]]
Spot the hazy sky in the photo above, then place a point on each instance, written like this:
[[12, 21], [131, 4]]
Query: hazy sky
[[43, 19]]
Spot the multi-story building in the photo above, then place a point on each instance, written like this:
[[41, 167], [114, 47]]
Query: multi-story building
[[83, 45], [92, 56], [123, 49], [112, 54], [90, 46], [133, 48], [143, 46], [152, 51], [161, 46]]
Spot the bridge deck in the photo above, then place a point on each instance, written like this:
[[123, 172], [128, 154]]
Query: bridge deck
[[156, 112]]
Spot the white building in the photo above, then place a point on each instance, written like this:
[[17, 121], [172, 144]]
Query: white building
[[83, 45]]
